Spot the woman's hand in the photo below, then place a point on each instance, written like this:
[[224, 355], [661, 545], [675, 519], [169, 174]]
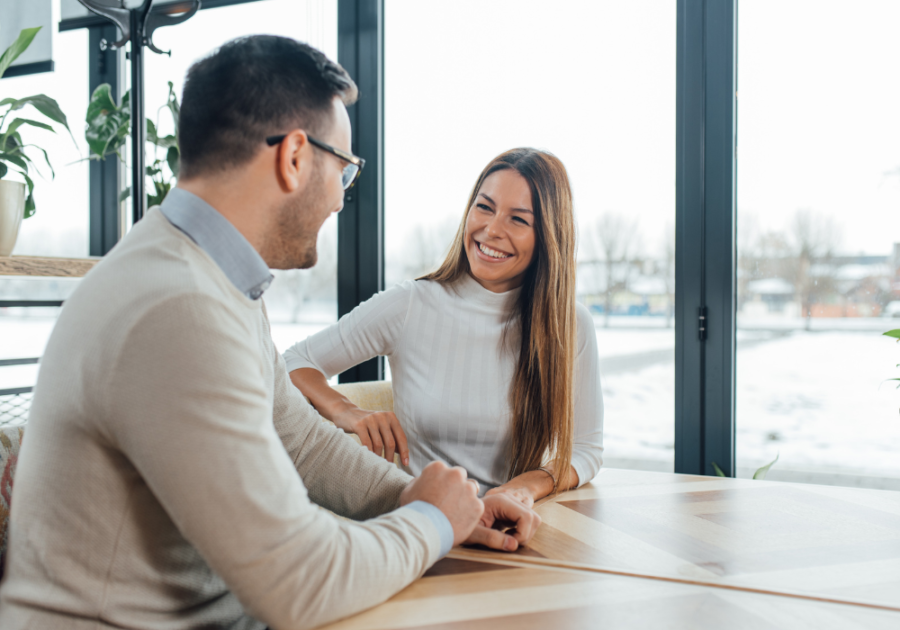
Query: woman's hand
[[505, 524], [533, 485], [379, 431], [520, 493]]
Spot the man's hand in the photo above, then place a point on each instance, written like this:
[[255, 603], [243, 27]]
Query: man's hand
[[503, 510], [449, 491], [379, 431]]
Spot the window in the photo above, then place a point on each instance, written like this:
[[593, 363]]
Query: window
[[299, 303], [818, 198], [594, 83], [60, 224]]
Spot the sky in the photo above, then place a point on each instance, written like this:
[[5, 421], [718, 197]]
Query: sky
[[591, 81]]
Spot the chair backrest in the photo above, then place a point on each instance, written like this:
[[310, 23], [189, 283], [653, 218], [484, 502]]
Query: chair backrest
[[10, 441], [370, 395]]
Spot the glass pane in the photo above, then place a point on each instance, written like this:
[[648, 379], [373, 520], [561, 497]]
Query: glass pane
[[592, 82], [299, 302], [59, 226], [818, 199]]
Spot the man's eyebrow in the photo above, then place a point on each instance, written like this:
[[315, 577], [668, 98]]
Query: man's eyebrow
[[525, 210]]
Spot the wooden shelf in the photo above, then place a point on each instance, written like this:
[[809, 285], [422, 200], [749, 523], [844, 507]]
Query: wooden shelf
[[43, 267]]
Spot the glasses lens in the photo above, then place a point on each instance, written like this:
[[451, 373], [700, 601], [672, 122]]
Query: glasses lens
[[349, 175]]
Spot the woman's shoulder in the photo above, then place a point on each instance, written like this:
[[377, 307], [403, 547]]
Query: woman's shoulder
[[584, 324]]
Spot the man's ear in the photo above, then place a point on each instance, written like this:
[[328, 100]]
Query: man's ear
[[294, 160]]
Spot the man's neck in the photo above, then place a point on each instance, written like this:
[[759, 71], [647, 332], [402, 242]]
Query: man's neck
[[239, 204]]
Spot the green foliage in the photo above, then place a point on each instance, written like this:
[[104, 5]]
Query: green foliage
[[23, 41], [759, 474], [109, 124], [12, 146]]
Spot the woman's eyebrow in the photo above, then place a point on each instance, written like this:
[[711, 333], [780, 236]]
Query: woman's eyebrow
[[526, 210]]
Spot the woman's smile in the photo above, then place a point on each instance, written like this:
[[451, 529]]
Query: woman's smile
[[490, 254]]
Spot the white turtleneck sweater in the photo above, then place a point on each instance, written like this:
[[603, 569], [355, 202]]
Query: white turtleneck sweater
[[451, 378]]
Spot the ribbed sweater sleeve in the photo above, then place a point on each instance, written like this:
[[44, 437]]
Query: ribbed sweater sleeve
[[587, 449], [339, 474], [192, 416], [372, 329]]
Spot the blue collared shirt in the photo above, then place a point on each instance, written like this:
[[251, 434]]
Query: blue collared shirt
[[215, 235]]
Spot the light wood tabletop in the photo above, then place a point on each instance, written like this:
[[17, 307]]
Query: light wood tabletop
[[824, 541], [641, 549], [468, 595]]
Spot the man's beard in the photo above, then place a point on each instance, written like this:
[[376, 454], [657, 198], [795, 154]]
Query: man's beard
[[293, 245]]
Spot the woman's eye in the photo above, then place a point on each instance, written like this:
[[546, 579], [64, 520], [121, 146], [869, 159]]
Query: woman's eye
[[484, 207], [521, 220]]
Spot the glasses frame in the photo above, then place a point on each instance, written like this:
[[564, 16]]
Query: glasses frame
[[347, 157]]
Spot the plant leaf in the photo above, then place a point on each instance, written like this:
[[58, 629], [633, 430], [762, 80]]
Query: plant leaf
[[173, 158], [893, 333], [3, 169], [107, 124], [761, 473], [29, 200], [46, 159], [16, 159], [125, 194], [23, 41], [47, 106], [718, 470]]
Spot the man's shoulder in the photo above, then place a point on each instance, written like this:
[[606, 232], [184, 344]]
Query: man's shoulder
[[154, 268], [155, 262]]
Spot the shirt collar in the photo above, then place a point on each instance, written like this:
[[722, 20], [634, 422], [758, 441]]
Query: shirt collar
[[215, 235]]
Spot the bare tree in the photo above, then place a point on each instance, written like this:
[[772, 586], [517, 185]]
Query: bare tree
[[813, 237], [666, 271], [292, 288], [615, 240]]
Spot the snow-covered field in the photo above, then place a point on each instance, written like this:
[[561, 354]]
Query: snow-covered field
[[819, 399]]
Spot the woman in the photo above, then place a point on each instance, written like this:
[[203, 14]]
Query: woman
[[494, 365]]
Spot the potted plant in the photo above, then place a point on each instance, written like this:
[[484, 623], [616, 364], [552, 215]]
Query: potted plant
[[109, 124], [17, 198]]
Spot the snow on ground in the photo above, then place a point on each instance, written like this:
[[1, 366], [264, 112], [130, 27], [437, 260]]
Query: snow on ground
[[819, 399]]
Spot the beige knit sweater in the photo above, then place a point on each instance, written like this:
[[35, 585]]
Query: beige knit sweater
[[158, 482]]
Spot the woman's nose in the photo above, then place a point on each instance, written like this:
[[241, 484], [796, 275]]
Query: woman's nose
[[494, 228]]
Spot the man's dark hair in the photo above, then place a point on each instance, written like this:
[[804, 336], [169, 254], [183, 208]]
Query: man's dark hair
[[251, 88]]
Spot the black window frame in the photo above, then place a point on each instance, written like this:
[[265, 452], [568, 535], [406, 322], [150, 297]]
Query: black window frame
[[705, 300]]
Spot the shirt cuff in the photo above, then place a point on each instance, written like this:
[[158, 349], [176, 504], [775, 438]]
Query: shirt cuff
[[441, 522]]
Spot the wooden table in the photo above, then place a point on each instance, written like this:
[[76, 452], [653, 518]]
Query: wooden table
[[653, 550]]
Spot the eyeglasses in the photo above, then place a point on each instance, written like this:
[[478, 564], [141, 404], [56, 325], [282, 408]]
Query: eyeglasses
[[354, 164]]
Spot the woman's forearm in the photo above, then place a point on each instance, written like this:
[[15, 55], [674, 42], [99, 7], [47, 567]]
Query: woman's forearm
[[538, 484], [313, 384]]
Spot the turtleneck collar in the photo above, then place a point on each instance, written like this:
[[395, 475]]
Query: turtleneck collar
[[470, 290]]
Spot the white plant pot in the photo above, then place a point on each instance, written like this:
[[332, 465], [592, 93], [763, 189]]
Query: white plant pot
[[12, 209]]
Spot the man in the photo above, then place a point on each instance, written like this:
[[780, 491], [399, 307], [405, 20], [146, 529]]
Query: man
[[171, 473]]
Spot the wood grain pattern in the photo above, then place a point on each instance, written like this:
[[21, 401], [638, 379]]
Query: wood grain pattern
[[526, 598], [36, 266], [808, 541]]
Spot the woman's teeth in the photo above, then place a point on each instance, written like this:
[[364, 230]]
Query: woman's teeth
[[493, 253]]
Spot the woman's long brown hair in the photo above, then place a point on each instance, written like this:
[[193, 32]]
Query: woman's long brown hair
[[542, 391]]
